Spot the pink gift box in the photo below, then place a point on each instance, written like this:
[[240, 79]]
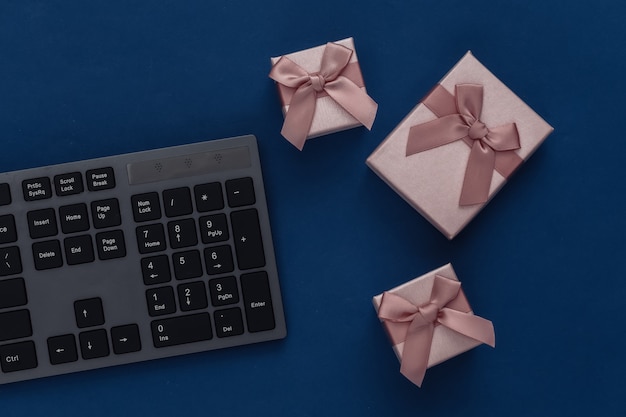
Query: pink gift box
[[329, 116], [446, 342], [432, 178]]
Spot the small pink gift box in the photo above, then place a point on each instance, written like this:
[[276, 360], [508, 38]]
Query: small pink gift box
[[322, 91], [454, 151], [429, 321]]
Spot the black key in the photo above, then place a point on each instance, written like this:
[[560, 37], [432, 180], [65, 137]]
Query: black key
[[106, 213], [18, 357], [240, 192], [89, 312], [187, 264], [100, 179], [180, 330], [8, 232], [10, 261], [160, 301], [5, 194], [94, 344], [78, 250], [228, 322], [111, 244], [150, 238], [125, 339], [224, 291], [42, 223], [15, 325], [209, 197], [12, 293], [182, 233], [248, 239], [36, 189], [219, 260], [146, 207], [257, 301], [192, 296], [68, 184], [74, 218], [177, 202], [213, 228], [62, 349], [156, 270], [47, 255]]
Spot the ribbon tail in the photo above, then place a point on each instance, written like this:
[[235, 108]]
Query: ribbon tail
[[353, 99], [469, 325], [478, 175], [416, 352], [435, 133], [299, 116]]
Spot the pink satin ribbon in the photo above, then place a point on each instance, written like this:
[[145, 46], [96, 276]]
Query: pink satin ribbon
[[417, 324], [309, 85], [459, 119]]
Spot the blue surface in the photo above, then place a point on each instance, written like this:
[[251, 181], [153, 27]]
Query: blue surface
[[544, 260]]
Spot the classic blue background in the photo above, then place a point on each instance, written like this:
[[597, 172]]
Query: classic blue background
[[544, 260]]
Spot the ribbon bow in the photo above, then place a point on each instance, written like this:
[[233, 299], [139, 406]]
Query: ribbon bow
[[309, 85], [417, 324], [459, 119]]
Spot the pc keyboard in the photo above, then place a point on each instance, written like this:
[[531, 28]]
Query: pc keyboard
[[135, 257]]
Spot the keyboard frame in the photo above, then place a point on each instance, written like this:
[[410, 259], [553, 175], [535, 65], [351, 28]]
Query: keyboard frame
[[51, 293]]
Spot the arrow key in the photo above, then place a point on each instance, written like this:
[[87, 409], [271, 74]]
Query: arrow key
[[125, 339], [94, 344], [62, 349], [192, 296], [89, 312]]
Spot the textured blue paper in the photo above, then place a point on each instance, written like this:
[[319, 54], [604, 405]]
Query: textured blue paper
[[544, 260]]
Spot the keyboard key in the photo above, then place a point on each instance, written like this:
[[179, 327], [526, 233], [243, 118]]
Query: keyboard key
[[68, 184], [181, 330], [240, 192], [257, 301], [187, 264], [12, 293], [47, 255], [36, 189], [18, 357], [15, 325], [94, 344], [74, 218], [8, 232], [209, 197], [146, 207], [89, 312], [42, 223], [177, 202], [228, 322], [218, 259], [248, 239], [224, 291], [5, 194], [156, 270], [78, 250], [182, 233], [106, 213], [125, 339], [150, 238], [100, 179], [10, 261], [161, 301], [111, 245], [192, 296], [213, 228], [62, 349]]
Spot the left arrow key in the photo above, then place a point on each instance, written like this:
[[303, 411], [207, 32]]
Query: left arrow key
[[62, 349]]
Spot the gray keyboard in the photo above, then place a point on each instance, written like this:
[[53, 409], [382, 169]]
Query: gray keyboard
[[135, 257]]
